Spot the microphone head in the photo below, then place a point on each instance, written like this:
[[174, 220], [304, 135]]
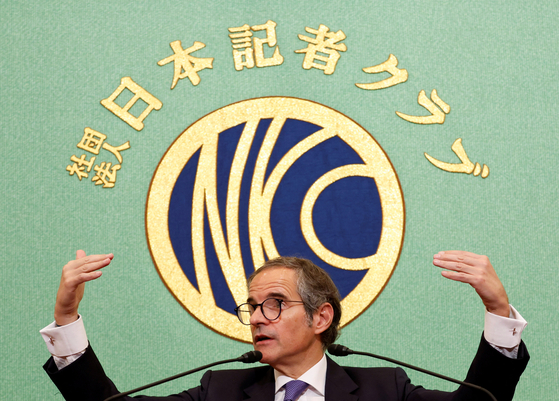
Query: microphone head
[[250, 357], [339, 350]]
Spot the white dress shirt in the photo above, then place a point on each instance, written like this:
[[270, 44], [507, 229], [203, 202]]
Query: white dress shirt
[[315, 377]]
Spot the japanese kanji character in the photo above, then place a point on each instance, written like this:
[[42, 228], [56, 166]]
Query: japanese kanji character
[[277, 58], [105, 174], [437, 116], [240, 38], [325, 42], [91, 141], [466, 167], [116, 150], [79, 166], [139, 93], [398, 75], [185, 64]]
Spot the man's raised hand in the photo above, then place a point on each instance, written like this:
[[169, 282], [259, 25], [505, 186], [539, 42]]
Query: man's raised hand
[[74, 276], [477, 271]]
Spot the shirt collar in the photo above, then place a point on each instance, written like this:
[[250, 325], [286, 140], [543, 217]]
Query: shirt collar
[[315, 377]]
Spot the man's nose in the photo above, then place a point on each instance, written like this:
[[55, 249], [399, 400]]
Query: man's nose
[[257, 317]]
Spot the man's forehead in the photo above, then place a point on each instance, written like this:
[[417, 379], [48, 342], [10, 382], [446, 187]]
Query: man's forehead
[[274, 281]]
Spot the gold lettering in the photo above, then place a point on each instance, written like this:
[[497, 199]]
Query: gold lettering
[[437, 115], [325, 42], [123, 112], [466, 167], [398, 75]]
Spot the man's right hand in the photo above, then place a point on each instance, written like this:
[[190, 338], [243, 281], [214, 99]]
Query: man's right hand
[[74, 276]]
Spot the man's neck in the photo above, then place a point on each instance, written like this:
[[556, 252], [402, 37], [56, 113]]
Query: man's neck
[[303, 364]]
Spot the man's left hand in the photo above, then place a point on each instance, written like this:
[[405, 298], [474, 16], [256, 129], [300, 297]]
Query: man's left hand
[[477, 271]]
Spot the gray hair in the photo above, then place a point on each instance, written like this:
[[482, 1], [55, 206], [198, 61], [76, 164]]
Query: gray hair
[[315, 287]]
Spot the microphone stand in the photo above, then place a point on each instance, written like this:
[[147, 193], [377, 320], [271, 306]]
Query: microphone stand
[[340, 350], [249, 357]]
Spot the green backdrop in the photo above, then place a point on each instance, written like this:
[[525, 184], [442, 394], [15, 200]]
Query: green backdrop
[[494, 62]]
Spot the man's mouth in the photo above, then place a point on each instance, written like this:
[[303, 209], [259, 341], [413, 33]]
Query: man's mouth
[[260, 338]]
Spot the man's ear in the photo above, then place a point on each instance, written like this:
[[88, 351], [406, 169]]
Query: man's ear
[[323, 317]]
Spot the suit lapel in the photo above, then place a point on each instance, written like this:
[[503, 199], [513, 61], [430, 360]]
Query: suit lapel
[[263, 389], [339, 386]]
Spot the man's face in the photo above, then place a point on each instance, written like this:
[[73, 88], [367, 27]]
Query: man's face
[[290, 339]]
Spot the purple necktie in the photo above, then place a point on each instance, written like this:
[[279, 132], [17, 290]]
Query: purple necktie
[[294, 389]]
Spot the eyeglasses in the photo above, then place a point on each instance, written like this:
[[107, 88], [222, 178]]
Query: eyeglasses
[[270, 308]]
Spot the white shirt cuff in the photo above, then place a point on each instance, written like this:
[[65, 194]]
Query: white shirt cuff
[[63, 341], [504, 332]]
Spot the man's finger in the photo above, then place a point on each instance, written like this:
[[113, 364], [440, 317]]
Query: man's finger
[[86, 260], [460, 253], [457, 256], [455, 276], [92, 266], [85, 277], [462, 266]]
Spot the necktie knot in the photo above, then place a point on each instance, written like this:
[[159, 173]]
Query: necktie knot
[[294, 389]]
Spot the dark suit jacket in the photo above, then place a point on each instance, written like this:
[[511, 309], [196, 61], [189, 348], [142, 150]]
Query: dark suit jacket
[[85, 380]]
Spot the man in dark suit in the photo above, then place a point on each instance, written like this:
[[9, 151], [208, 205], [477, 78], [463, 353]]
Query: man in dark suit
[[294, 310]]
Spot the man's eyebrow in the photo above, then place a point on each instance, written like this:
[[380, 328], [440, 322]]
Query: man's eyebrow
[[279, 295]]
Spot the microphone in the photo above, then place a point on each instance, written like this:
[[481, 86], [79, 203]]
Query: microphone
[[341, 350], [249, 357]]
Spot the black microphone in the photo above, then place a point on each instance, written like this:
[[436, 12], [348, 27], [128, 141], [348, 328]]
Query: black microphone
[[249, 357], [340, 350]]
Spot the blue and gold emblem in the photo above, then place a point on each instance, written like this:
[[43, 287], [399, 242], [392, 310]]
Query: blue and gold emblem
[[266, 177]]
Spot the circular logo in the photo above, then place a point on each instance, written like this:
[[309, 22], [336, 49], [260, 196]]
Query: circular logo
[[267, 177]]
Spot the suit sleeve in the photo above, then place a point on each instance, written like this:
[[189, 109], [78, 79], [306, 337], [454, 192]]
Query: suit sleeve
[[490, 369], [85, 380]]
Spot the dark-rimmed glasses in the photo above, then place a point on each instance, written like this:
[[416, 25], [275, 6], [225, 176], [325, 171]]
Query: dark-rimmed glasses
[[270, 308]]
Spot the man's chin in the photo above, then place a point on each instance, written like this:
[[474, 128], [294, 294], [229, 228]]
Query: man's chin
[[267, 359], [266, 353]]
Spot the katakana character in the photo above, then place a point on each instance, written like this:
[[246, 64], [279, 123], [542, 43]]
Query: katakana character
[[437, 116], [398, 75], [185, 64], [105, 174], [326, 43], [466, 167], [79, 166], [91, 141], [139, 93]]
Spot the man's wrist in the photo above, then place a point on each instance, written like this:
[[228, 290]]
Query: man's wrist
[[63, 320], [503, 311]]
